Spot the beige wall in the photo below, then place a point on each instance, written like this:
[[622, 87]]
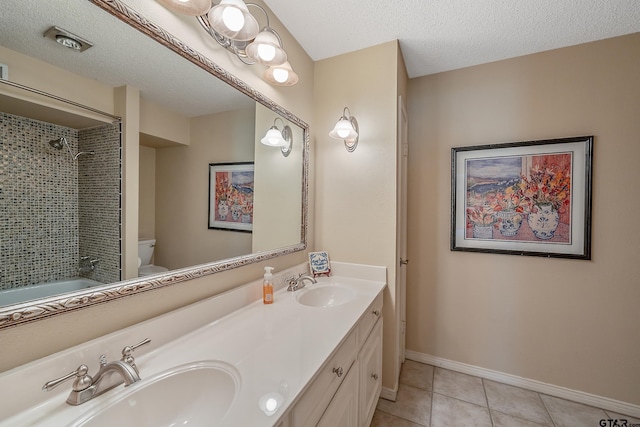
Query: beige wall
[[147, 193], [356, 192], [31, 72], [44, 337], [182, 180], [159, 122], [566, 322], [278, 181]]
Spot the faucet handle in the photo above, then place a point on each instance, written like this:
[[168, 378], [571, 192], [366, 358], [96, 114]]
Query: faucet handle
[[126, 352], [82, 381]]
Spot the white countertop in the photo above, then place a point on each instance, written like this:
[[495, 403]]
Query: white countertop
[[274, 348]]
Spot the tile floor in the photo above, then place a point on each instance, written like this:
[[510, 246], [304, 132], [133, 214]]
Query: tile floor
[[434, 397]]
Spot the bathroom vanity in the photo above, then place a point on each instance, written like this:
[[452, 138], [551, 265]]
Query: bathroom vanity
[[313, 357]]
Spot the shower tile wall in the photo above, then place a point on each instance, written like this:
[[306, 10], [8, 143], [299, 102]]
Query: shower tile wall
[[38, 195], [99, 200], [39, 237]]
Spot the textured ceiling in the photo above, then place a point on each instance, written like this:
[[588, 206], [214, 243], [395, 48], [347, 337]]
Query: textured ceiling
[[442, 35], [120, 55]]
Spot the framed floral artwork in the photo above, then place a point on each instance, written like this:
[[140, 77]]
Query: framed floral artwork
[[523, 198], [231, 196]]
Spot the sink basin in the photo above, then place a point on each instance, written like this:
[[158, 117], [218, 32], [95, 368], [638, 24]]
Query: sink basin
[[326, 296], [196, 394]]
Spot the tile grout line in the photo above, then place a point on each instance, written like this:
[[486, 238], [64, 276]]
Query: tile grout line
[[433, 383], [544, 405], [486, 398]]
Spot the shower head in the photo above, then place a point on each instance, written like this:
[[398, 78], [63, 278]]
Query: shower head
[[62, 142], [58, 143]]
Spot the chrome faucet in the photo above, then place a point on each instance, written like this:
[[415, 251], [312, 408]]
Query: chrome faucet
[[87, 264], [109, 375], [298, 282]]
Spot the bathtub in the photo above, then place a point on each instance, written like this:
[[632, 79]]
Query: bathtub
[[42, 290]]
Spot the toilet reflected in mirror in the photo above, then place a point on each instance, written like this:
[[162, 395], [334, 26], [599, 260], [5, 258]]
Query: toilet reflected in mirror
[[145, 252]]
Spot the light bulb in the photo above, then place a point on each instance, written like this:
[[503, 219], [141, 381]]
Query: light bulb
[[233, 18], [271, 404], [280, 75], [343, 133], [266, 52]]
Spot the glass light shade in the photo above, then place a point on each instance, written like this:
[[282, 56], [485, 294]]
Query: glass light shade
[[281, 75], [187, 7], [232, 19], [273, 138], [343, 130], [266, 49]]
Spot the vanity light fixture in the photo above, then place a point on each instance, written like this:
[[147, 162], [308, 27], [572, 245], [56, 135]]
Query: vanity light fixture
[[67, 39], [188, 7], [235, 28], [281, 75], [232, 19], [277, 138], [346, 129]]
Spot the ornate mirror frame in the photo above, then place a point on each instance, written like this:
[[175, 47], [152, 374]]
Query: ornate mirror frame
[[17, 314]]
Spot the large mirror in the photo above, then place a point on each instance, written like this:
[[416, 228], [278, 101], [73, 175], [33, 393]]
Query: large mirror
[[192, 115]]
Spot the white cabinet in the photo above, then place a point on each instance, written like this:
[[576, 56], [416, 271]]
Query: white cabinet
[[370, 360], [343, 409], [314, 401], [345, 391]]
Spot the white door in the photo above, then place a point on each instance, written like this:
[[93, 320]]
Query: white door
[[401, 284]]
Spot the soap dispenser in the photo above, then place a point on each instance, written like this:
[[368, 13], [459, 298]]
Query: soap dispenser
[[267, 286]]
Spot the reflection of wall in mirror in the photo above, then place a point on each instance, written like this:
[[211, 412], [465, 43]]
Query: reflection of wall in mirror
[[278, 185], [182, 185]]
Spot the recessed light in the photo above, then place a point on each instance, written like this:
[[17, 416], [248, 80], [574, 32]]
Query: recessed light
[[67, 39]]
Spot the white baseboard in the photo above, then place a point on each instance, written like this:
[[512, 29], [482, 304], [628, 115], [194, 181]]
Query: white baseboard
[[616, 406], [389, 394]]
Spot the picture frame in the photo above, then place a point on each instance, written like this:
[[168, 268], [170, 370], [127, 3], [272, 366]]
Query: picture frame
[[523, 198], [319, 263], [231, 196]]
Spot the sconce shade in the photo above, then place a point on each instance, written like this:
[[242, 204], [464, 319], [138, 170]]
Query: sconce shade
[[232, 19], [346, 129], [273, 138], [281, 75], [277, 138], [266, 49], [187, 7], [343, 130]]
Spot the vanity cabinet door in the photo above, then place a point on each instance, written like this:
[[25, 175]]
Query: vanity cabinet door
[[315, 399], [284, 421], [343, 409], [370, 359]]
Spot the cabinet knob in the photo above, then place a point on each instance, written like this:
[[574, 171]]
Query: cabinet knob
[[374, 376], [338, 371], [376, 312]]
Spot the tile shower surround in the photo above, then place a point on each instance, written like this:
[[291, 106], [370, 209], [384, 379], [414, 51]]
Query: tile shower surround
[[43, 231]]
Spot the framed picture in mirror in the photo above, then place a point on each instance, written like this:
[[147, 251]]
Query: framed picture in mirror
[[231, 196]]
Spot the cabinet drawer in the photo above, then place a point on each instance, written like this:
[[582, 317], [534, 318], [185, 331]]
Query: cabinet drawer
[[309, 409], [369, 318]]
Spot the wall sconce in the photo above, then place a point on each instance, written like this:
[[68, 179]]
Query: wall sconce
[[232, 25], [346, 129], [276, 138]]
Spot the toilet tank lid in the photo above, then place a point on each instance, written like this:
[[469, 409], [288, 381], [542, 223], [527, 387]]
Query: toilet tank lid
[[146, 241]]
